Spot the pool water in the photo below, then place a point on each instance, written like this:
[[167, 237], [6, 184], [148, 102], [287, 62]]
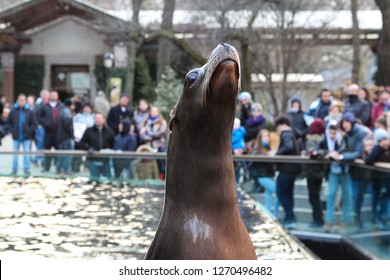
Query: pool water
[[76, 218]]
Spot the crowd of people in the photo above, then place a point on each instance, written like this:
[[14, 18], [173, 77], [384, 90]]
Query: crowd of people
[[76, 124], [336, 131]]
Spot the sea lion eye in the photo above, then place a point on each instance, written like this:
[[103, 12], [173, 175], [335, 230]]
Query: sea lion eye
[[191, 78]]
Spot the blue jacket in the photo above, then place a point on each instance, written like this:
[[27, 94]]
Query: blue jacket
[[238, 138], [353, 148], [319, 109], [21, 123], [125, 141]]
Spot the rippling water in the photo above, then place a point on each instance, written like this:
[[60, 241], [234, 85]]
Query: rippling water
[[74, 218]]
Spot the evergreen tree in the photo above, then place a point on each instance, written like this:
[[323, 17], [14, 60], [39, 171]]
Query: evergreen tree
[[144, 86], [168, 91]]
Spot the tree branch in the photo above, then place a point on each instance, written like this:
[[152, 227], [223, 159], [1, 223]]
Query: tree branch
[[180, 43]]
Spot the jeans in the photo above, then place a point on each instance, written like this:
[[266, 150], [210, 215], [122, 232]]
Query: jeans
[[26, 158], [50, 141], [359, 188], [63, 162], [270, 188], [97, 168], [334, 180], [285, 193], [380, 199], [121, 164], [39, 141], [314, 188]]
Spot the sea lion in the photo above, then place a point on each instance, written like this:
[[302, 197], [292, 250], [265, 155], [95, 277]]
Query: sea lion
[[201, 218]]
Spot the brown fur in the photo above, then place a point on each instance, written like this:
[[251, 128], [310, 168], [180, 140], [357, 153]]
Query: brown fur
[[201, 218]]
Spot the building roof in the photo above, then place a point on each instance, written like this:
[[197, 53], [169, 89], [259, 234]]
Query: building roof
[[30, 14]]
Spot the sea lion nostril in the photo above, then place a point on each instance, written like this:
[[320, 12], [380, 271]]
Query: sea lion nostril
[[225, 45]]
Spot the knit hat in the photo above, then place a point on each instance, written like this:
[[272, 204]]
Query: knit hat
[[296, 100], [348, 116], [317, 127], [243, 95], [380, 134], [68, 102], [256, 107]]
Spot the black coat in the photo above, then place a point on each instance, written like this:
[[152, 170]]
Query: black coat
[[288, 146], [116, 115], [65, 125], [95, 140], [299, 125], [360, 108], [28, 126], [44, 116], [378, 154]]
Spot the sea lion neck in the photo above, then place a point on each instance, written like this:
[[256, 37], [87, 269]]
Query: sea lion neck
[[200, 143]]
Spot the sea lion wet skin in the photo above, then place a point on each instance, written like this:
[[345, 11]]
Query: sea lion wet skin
[[201, 218]]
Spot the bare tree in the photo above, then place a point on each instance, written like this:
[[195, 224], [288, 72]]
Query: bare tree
[[355, 42], [133, 45], [164, 45], [383, 75]]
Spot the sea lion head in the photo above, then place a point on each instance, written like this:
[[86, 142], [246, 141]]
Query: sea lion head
[[209, 94]]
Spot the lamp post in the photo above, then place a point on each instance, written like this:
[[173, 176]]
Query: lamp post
[[108, 62]]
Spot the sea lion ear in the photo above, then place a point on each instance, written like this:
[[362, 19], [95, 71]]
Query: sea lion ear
[[173, 119]]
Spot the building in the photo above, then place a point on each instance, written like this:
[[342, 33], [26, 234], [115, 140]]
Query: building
[[55, 44]]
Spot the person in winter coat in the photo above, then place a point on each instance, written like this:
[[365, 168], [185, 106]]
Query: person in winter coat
[[142, 113], [264, 172], [351, 150], [21, 124], [287, 171], [381, 186], [337, 175], [238, 137], [124, 142], [81, 121], [118, 113], [245, 102], [381, 107], [358, 107], [298, 123], [40, 130], [154, 130], [48, 118], [96, 138], [315, 172], [154, 133], [319, 108], [145, 169], [65, 137], [253, 125]]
